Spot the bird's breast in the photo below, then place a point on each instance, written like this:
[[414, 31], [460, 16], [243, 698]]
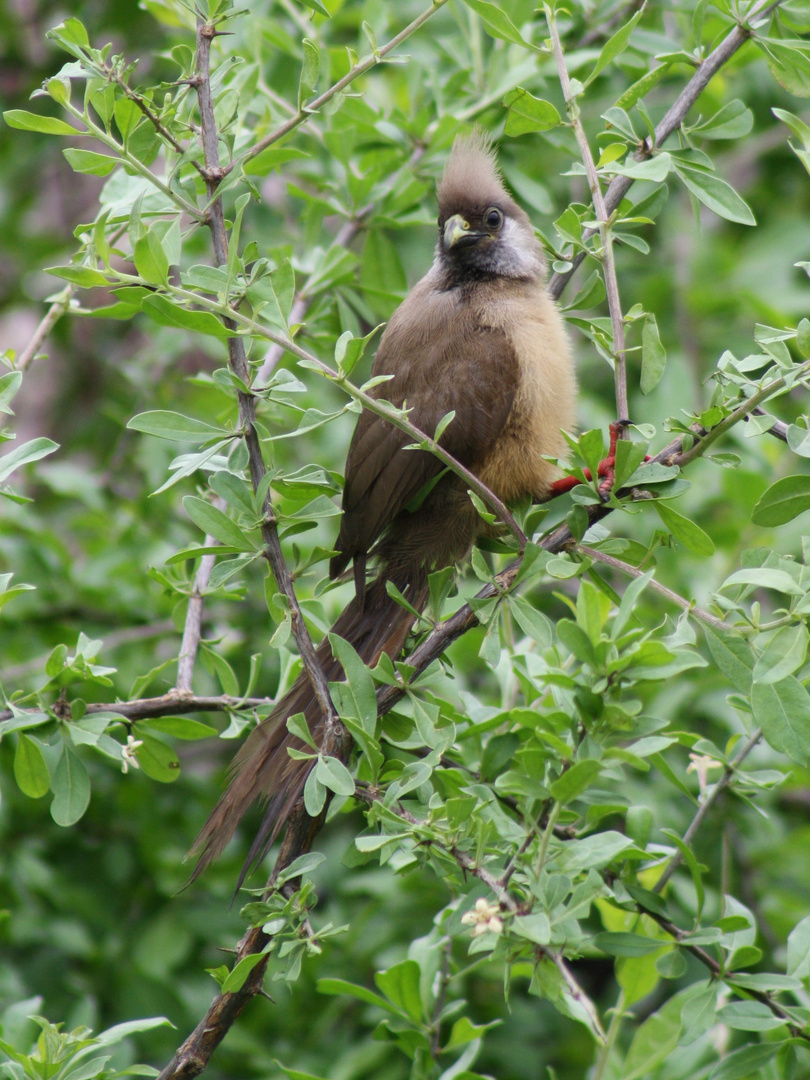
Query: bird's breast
[[545, 398]]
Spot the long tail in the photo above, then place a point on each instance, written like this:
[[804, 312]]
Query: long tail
[[263, 770]]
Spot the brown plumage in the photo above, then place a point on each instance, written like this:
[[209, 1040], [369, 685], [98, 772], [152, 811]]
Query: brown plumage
[[479, 336]]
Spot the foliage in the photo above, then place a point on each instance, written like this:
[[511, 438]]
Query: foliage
[[567, 840]]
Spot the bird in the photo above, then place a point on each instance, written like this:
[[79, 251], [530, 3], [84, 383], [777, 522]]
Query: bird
[[479, 337]]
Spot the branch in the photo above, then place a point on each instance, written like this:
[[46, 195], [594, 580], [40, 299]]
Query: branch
[[672, 120], [51, 318], [193, 1056], [238, 362], [192, 628], [360, 68], [602, 216], [633, 571], [706, 806], [682, 937]]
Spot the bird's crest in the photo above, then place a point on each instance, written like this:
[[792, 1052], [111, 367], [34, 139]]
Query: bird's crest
[[471, 176]]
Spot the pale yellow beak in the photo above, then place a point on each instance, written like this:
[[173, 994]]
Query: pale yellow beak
[[457, 231]]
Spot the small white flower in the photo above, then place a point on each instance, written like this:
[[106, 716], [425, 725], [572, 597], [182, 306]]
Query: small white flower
[[484, 918], [129, 753], [700, 764]]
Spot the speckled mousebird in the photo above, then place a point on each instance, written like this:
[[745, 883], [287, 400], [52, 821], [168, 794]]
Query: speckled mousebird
[[479, 336]]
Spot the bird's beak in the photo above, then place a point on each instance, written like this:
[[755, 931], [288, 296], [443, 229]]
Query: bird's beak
[[457, 233]]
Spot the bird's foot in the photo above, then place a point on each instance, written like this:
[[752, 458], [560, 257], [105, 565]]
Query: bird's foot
[[605, 470]]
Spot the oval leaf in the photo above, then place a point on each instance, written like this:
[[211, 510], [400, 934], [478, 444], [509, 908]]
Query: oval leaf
[[687, 532], [783, 501], [71, 788]]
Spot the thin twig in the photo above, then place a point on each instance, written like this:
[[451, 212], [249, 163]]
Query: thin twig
[[238, 362], [51, 318], [682, 937], [192, 628], [741, 412], [707, 804], [603, 218], [633, 571], [360, 68], [672, 120]]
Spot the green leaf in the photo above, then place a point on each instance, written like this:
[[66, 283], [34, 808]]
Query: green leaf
[[87, 161], [214, 523], [465, 1031], [70, 32], [30, 451], [47, 125], [593, 851], [167, 313], [151, 259], [86, 277], [333, 774], [528, 113], [620, 943], [297, 725], [30, 770], [271, 158], [745, 1062], [181, 727], [733, 121], [765, 578], [716, 194], [239, 975], [782, 501], [733, 656], [314, 795], [496, 21], [363, 699], [653, 355], [784, 654], [157, 759], [614, 46], [684, 530], [362, 993], [653, 1042], [798, 949], [782, 710], [118, 1032], [749, 1016], [71, 788], [693, 866], [400, 984], [574, 781], [304, 864], [642, 87], [310, 70], [296, 1074], [698, 1012], [175, 427]]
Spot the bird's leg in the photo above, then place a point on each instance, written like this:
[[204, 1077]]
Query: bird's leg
[[605, 468]]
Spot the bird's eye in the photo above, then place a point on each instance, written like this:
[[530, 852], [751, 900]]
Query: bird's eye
[[493, 218]]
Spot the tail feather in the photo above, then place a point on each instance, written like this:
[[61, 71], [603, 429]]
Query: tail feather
[[262, 769]]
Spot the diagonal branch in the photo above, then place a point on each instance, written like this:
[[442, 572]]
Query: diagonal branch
[[304, 112], [707, 804], [674, 117]]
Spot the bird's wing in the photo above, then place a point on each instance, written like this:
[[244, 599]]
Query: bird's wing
[[467, 369]]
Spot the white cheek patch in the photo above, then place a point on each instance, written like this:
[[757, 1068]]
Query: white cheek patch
[[520, 257]]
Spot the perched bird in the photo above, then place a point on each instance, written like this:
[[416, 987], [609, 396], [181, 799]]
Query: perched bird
[[478, 336]]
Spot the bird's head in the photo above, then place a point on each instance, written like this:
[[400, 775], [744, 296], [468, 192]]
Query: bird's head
[[483, 233]]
